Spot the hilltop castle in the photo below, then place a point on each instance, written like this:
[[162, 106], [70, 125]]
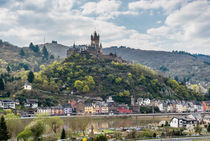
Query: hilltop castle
[[94, 48]]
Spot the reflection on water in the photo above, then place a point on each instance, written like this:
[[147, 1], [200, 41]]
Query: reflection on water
[[117, 122]]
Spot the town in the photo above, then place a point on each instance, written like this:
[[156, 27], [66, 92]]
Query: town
[[107, 107]]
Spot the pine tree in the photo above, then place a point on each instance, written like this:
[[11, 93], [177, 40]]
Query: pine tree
[[30, 77], [1, 84], [31, 46], [4, 135], [8, 68], [45, 52], [22, 53], [63, 134]]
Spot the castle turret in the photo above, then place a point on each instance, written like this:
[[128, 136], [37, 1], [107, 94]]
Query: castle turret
[[95, 40]]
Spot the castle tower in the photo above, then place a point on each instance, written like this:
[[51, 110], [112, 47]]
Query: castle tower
[[95, 40]]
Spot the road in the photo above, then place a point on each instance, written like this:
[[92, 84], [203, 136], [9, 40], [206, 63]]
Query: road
[[124, 115], [206, 138]]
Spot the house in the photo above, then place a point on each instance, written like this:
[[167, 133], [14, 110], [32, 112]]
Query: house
[[123, 109], [179, 108], [146, 101], [98, 109], [104, 109], [112, 108], [44, 110], [67, 109], [178, 122], [140, 101], [80, 107], [109, 100], [27, 86], [7, 104], [31, 103], [57, 111], [89, 108]]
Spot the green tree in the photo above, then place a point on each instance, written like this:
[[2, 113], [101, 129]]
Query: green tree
[[90, 81], [31, 46], [126, 93], [4, 135], [22, 53], [13, 124], [8, 69], [101, 138], [118, 80], [55, 123], [30, 77], [45, 52], [198, 128], [37, 130], [85, 89], [1, 84], [63, 134], [208, 128], [78, 85]]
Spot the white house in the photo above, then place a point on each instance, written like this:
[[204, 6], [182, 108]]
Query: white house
[[31, 103], [7, 104], [27, 86], [109, 100], [140, 101], [160, 106], [146, 101], [178, 122]]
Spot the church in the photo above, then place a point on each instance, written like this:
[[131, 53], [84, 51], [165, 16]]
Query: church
[[95, 47]]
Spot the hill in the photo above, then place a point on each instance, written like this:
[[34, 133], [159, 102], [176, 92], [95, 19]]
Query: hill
[[26, 58], [181, 66], [103, 76], [58, 50]]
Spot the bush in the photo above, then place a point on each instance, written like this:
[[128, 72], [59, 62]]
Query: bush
[[101, 138]]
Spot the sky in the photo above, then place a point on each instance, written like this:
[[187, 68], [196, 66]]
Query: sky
[[165, 25]]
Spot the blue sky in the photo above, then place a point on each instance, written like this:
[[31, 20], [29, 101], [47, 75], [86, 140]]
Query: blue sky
[[144, 24]]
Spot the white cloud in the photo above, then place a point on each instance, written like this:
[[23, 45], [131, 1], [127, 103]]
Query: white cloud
[[167, 5], [105, 9], [185, 28]]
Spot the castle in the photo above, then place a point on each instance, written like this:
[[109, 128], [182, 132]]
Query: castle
[[94, 48]]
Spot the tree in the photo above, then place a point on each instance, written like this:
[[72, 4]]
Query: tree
[[8, 68], [208, 128], [31, 46], [63, 134], [198, 128], [118, 80], [37, 130], [13, 124], [83, 123], [4, 135], [22, 53], [30, 77], [85, 89], [55, 123], [101, 138], [1, 84], [90, 81], [45, 52], [78, 85]]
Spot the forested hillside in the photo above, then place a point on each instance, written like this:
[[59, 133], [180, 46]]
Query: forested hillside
[[27, 58], [181, 66], [97, 76]]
